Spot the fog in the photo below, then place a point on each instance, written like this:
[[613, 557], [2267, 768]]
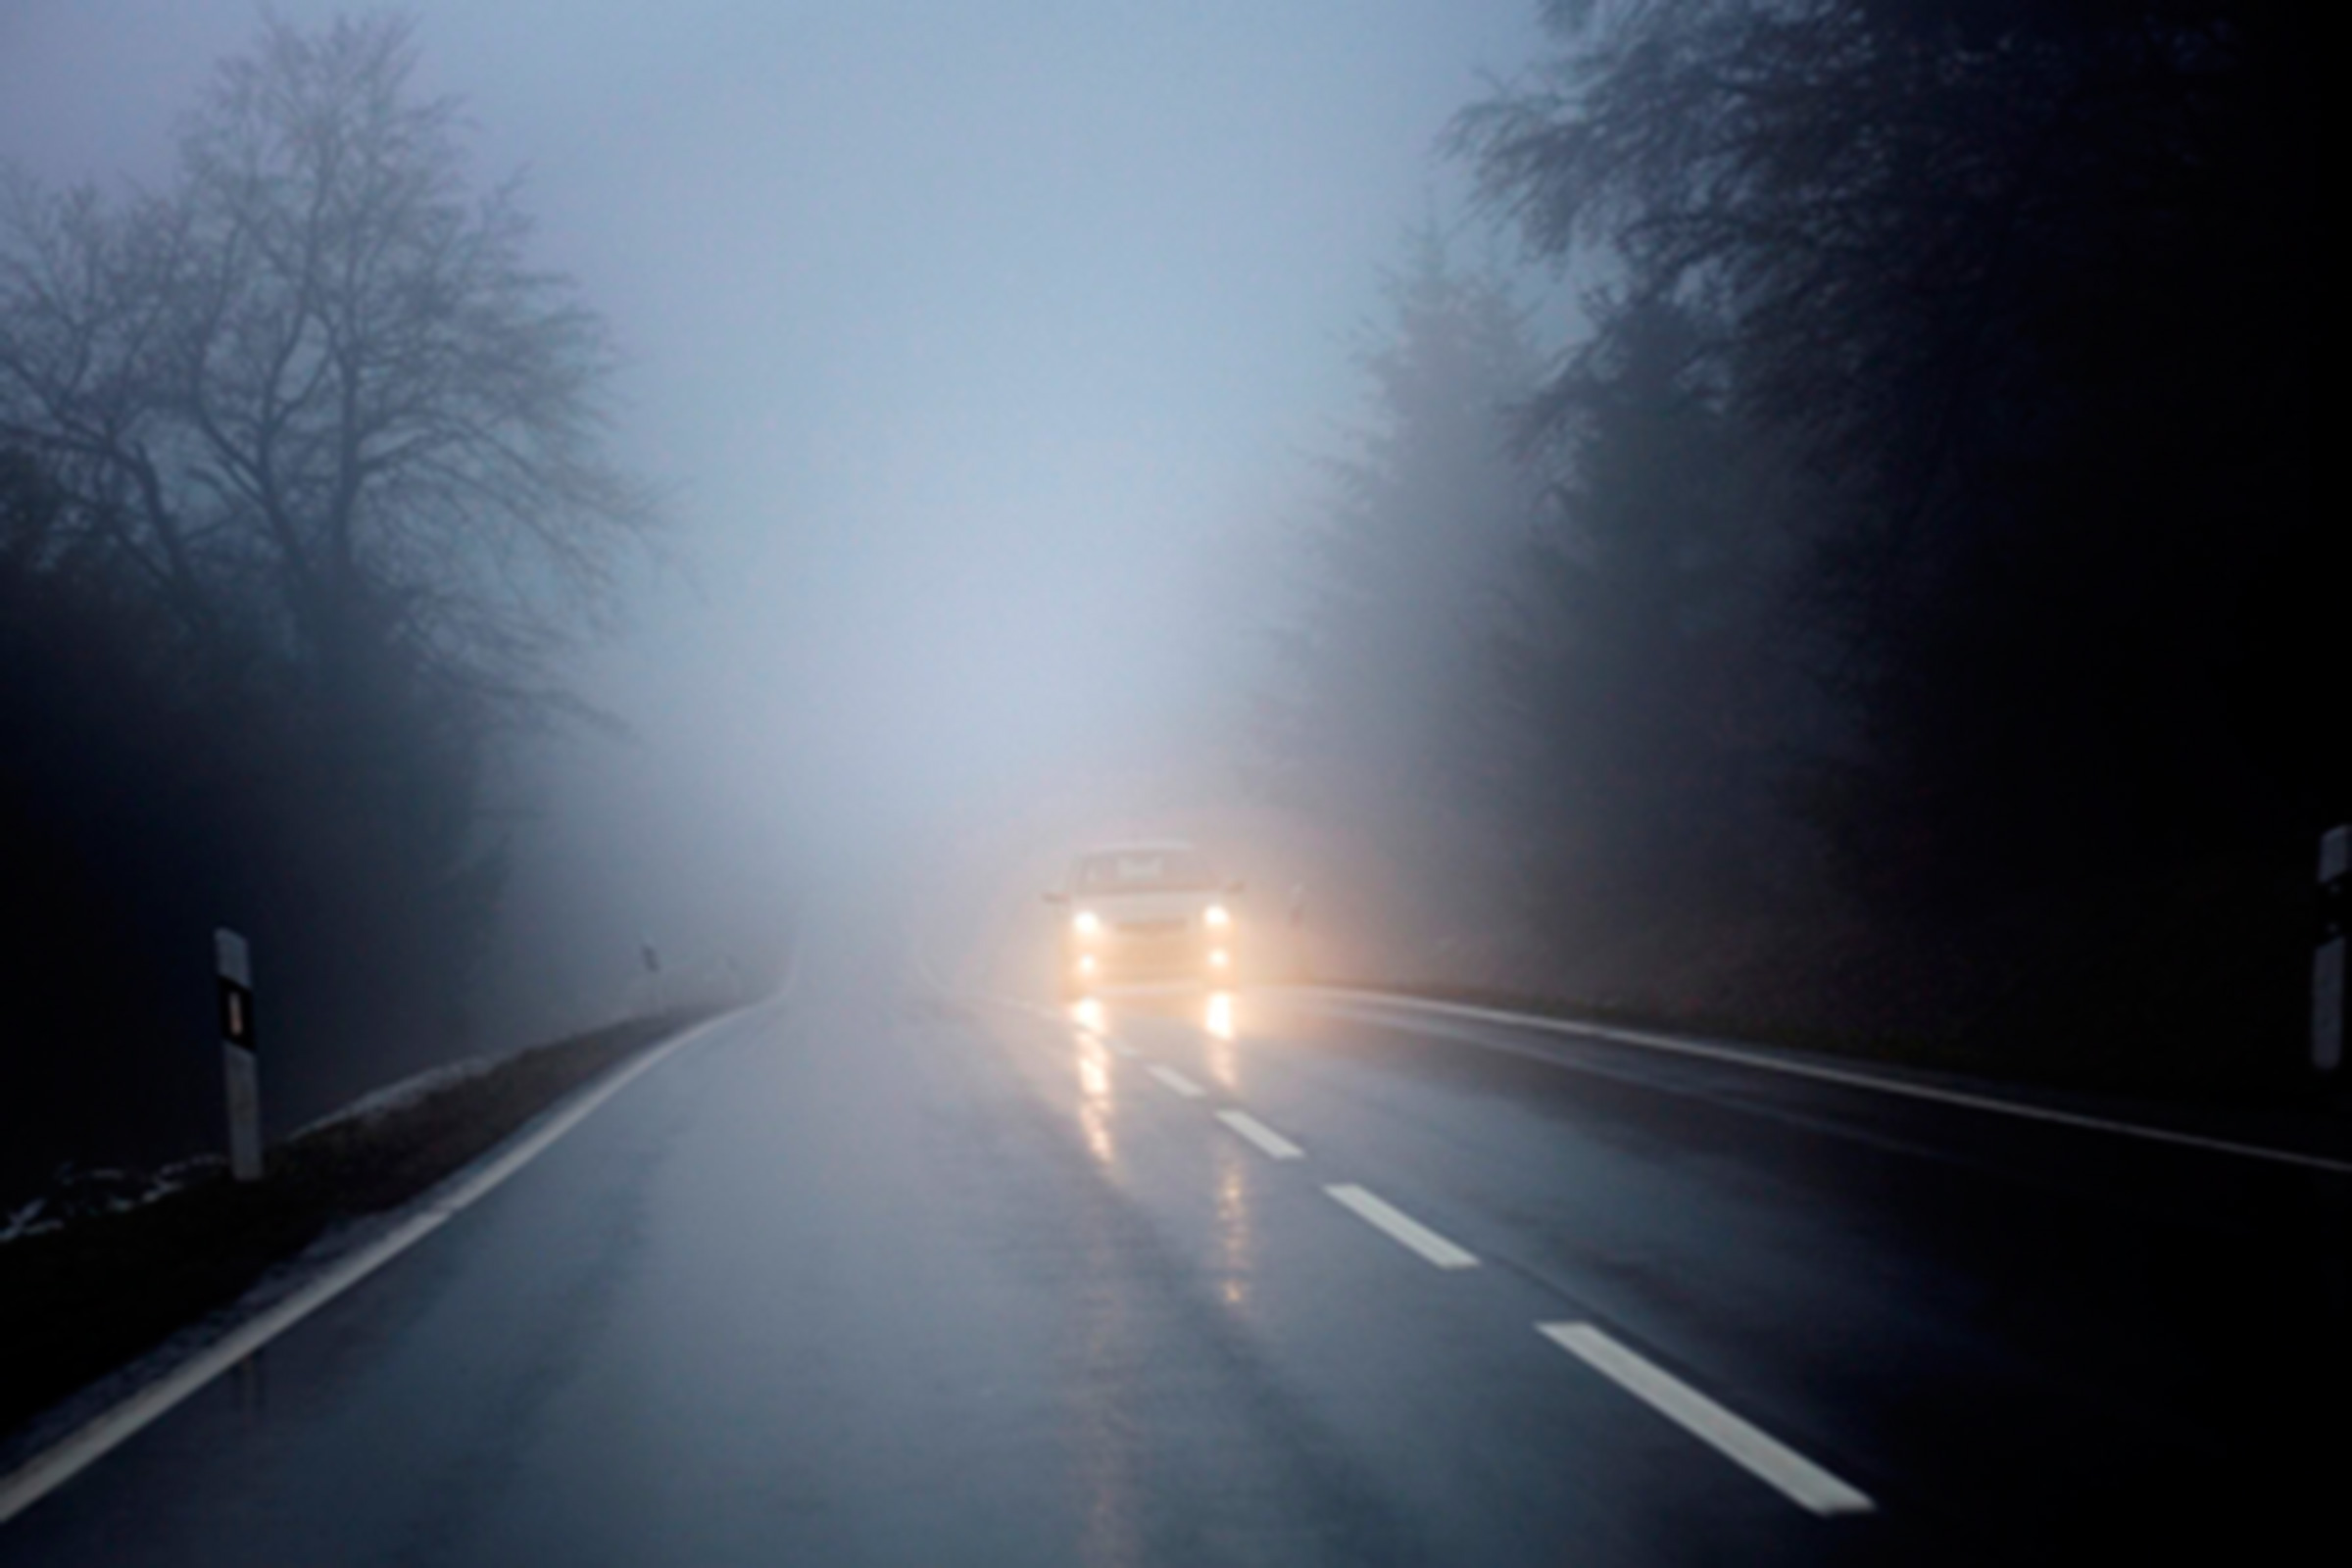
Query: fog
[[971, 343], [1681, 655], [1297, 427]]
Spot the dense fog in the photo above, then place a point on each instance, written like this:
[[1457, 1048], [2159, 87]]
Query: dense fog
[[526, 506]]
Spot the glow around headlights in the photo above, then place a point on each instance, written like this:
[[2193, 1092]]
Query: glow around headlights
[[1086, 923], [1218, 914]]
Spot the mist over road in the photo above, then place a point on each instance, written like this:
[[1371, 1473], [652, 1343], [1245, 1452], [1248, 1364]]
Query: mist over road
[[886, 1274]]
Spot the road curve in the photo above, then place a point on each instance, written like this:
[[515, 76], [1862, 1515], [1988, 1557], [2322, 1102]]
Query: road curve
[[892, 1276]]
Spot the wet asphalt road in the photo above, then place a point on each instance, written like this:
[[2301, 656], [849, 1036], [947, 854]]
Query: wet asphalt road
[[884, 1275]]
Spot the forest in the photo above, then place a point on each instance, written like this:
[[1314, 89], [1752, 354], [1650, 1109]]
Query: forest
[[1896, 620], [303, 495]]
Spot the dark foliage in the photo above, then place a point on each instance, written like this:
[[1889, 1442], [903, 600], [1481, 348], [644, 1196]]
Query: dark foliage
[[2029, 287], [2023, 294], [301, 491], [1645, 708], [1376, 724]]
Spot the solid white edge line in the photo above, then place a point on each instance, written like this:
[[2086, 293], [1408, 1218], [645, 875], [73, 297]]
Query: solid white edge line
[[1178, 1082], [51, 1468], [1794, 1476], [1839, 1075], [1401, 1227], [1271, 1143]]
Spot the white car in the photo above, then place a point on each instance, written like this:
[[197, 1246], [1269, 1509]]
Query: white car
[[1153, 910]]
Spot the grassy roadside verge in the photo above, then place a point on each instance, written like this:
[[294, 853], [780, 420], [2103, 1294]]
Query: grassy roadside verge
[[79, 1301], [1885, 1049], [1964, 1059], [2188, 986]]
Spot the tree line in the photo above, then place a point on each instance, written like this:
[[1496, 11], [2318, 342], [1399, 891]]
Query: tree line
[[1900, 613], [303, 488]]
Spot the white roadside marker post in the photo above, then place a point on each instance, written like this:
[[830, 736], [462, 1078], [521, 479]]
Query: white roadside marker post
[[233, 964], [2327, 963]]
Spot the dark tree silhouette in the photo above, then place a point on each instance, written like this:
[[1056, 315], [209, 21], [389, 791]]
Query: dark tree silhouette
[[1376, 719], [319, 371], [2028, 287], [1646, 699], [303, 491]]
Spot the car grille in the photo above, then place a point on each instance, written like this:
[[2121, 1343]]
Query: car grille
[[1150, 927]]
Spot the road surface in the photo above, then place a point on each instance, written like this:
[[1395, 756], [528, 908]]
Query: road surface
[[885, 1274]]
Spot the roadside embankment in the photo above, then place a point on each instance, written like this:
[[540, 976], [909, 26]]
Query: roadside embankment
[[85, 1295]]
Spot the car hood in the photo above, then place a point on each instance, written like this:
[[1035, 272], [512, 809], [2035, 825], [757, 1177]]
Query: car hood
[[1119, 907]]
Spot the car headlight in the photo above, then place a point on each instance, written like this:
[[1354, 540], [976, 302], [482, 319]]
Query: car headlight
[[1218, 914], [1086, 923]]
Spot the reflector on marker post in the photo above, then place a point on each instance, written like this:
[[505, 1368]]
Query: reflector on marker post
[[232, 963], [2328, 962]]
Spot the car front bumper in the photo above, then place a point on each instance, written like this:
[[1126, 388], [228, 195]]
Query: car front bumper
[[1117, 958]]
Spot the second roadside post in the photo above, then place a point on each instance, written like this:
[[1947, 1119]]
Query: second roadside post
[[2328, 962]]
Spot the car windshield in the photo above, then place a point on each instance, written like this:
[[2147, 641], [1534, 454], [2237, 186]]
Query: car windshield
[[1170, 870]]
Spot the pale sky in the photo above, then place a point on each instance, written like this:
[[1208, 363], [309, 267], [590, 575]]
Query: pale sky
[[977, 341]]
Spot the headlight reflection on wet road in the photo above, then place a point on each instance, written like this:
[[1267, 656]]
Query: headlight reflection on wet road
[[1096, 1105], [1218, 1017], [1220, 1022], [1236, 1235]]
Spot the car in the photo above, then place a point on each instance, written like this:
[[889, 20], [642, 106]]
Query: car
[[1147, 910]]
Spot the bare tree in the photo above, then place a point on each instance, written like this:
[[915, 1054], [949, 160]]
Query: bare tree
[[87, 297], [318, 373], [305, 484]]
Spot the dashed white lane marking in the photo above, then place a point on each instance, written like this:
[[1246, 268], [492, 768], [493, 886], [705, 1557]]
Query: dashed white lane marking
[[1121, 1047], [1275, 1146], [43, 1474], [1799, 1477], [1178, 1082], [1401, 1227]]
